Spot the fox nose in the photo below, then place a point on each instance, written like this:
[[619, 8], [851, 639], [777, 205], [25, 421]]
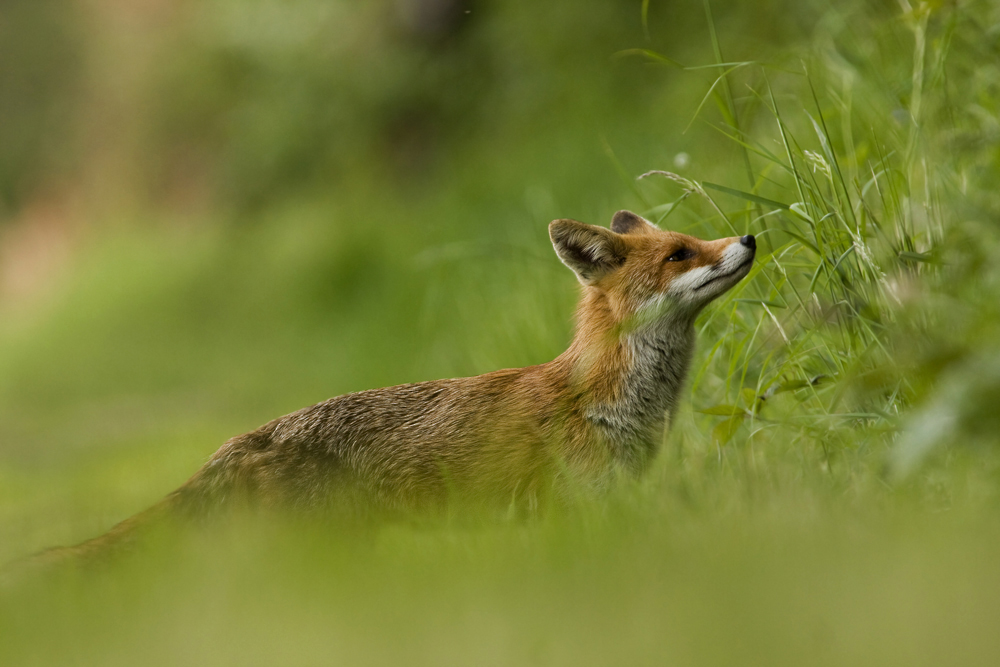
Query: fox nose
[[749, 241]]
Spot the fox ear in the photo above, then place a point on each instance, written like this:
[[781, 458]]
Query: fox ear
[[627, 222], [592, 252]]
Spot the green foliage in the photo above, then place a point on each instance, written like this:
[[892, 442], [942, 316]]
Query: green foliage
[[371, 204], [858, 217], [40, 49]]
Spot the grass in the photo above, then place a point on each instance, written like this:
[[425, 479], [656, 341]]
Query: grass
[[828, 495]]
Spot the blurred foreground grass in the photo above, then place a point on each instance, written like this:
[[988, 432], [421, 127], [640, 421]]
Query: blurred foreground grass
[[640, 584], [829, 495]]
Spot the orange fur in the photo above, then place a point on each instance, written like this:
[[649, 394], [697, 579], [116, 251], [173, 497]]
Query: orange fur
[[510, 436]]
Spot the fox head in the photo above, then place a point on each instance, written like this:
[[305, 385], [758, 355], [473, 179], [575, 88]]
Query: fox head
[[643, 269]]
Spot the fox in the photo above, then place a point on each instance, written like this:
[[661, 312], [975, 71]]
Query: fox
[[595, 413]]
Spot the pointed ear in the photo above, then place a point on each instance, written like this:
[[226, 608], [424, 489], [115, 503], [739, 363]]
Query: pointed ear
[[592, 252], [627, 222]]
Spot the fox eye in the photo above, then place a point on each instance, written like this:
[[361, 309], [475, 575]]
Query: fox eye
[[680, 255]]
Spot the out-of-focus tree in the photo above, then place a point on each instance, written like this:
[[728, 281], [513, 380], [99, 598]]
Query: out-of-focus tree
[[41, 51]]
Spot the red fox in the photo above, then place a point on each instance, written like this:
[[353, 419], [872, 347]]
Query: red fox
[[597, 411]]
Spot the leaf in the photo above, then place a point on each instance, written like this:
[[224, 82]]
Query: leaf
[[725, 430], [749, 396], [800, 209], [725, 411], [792, 385], [746, 195], [761, 302], [803, 240], [925, 257], [789, 385], [651, 55], [844, 256]]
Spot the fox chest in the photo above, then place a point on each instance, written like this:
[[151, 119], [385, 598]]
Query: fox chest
[[634, 421]]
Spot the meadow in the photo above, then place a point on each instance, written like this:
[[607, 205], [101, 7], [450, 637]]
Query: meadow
[[257, 206]]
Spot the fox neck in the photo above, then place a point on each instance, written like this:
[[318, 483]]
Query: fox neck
[[629, 375]]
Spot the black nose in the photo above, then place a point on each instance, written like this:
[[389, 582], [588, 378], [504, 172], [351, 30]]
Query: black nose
[[749, 241]]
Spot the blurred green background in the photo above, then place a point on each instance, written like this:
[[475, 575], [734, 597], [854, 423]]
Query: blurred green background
[[214, 213]]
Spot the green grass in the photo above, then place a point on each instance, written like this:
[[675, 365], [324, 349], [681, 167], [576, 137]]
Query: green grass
[[828, 493]]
